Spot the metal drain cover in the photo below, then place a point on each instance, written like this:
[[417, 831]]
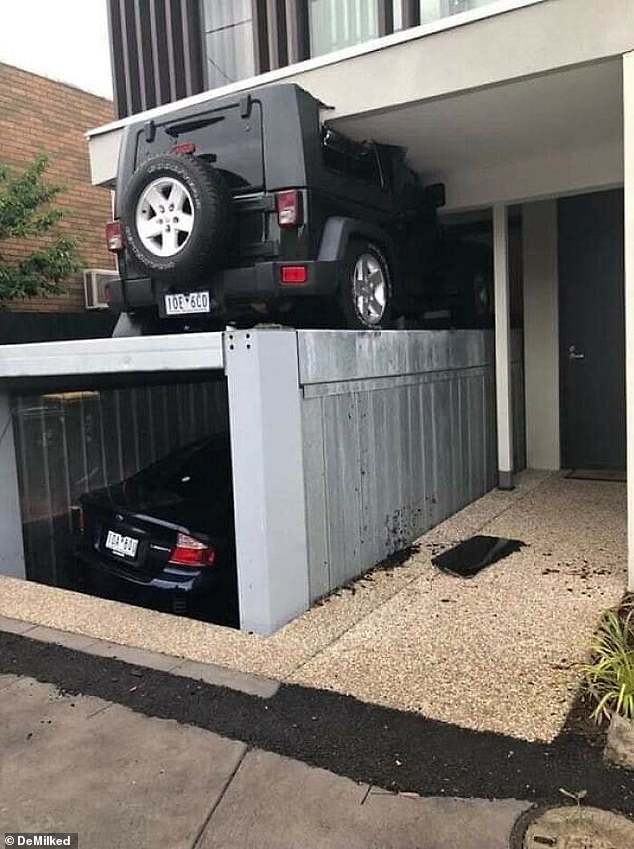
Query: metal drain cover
[[569, 827]]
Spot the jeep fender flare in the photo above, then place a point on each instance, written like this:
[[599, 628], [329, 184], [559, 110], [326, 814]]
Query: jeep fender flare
[[338, 231]]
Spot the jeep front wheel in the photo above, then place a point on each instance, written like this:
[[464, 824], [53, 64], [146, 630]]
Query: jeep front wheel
[[366, 294], [176, 216]]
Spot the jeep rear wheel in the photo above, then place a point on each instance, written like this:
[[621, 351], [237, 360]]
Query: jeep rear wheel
[[365, 295], [177, 216]]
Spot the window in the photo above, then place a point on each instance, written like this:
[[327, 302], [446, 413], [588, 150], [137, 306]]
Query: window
[[351, 159], [228, 41], [341, 23], [434, 10]]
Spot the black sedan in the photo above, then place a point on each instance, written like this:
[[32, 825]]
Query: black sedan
[[165, 536]]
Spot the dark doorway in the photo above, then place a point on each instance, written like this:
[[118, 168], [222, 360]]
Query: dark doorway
[[592, 331]]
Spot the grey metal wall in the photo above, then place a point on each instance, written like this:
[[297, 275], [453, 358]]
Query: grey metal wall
[[399, 432], [68, 443]]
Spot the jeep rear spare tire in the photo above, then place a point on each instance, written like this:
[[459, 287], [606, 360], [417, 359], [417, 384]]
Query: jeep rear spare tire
[[176, 216]]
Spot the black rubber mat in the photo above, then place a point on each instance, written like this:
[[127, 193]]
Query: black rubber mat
[[471, 556], [617, 475]]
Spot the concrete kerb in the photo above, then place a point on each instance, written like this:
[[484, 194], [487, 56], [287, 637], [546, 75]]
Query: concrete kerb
[[244, 682]]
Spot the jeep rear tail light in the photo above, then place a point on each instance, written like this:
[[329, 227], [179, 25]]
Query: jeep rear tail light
[[192, 552], [114, 235], [289, 208]]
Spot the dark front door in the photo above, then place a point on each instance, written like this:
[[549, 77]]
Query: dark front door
[[592, 331]]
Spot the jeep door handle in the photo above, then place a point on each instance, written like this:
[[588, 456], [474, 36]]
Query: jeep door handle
[[574, 354]]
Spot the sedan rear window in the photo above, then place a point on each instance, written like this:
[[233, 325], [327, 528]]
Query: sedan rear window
[[196, 471]]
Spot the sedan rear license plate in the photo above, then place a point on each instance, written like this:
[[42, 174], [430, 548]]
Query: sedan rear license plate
[[120, 545], [187, 303]]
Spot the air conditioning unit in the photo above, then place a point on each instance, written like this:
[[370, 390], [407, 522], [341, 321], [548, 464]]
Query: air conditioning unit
[[95, 281]]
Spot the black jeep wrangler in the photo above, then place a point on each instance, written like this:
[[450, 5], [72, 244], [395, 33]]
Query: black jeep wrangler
[[250, 208]]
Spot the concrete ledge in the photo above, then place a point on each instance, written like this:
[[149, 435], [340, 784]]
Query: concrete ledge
[[62, 638], [253, 685], [16, 626], [192, 352]]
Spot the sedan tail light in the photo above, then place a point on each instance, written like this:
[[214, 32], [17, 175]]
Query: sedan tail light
[[114, 235], [289, 208], [192, 552]]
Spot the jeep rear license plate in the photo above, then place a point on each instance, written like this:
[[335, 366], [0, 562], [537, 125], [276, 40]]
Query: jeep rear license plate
[[120, 545], [187, 303]]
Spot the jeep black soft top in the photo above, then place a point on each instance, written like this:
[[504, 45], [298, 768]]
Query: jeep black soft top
[[250, 207]]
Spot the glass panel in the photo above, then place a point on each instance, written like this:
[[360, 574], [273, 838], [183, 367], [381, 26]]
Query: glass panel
[[214, 132], [397, 14], [229, 41], [341, 23], [434, 10], [72, 442]]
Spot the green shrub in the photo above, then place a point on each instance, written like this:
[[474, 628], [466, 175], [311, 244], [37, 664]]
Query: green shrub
[[610, 676], [26, 212]]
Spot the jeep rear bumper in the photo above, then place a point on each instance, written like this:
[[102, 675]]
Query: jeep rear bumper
[[261, 282]]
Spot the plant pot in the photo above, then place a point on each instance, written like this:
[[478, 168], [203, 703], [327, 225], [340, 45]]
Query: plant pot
[[619, 749]]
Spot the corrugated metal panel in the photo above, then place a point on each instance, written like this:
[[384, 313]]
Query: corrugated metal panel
[[388, 457], [69, 443], [330, 356]]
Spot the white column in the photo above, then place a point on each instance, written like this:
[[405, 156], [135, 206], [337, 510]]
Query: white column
[[541, 333], [628, 178], [268, 477], [503, 347], [11, 545]]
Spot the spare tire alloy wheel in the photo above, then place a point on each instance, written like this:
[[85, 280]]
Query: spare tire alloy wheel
[[366, 297], [165, 216], [177, 217]]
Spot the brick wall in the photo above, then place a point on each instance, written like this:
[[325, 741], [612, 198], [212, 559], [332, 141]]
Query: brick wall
[[41, 116]]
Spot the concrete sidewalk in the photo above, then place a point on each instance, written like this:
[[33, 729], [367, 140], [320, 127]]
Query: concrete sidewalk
[[121, 780]]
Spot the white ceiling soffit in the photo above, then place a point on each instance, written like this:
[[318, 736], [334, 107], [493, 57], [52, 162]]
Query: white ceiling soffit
[[582, 105], [569, 120]]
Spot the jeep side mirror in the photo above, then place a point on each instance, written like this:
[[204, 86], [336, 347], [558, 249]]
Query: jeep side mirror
[[435, 194]]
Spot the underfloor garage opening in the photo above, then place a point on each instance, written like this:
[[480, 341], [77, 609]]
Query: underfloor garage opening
[[108, 471], [116, 472]]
